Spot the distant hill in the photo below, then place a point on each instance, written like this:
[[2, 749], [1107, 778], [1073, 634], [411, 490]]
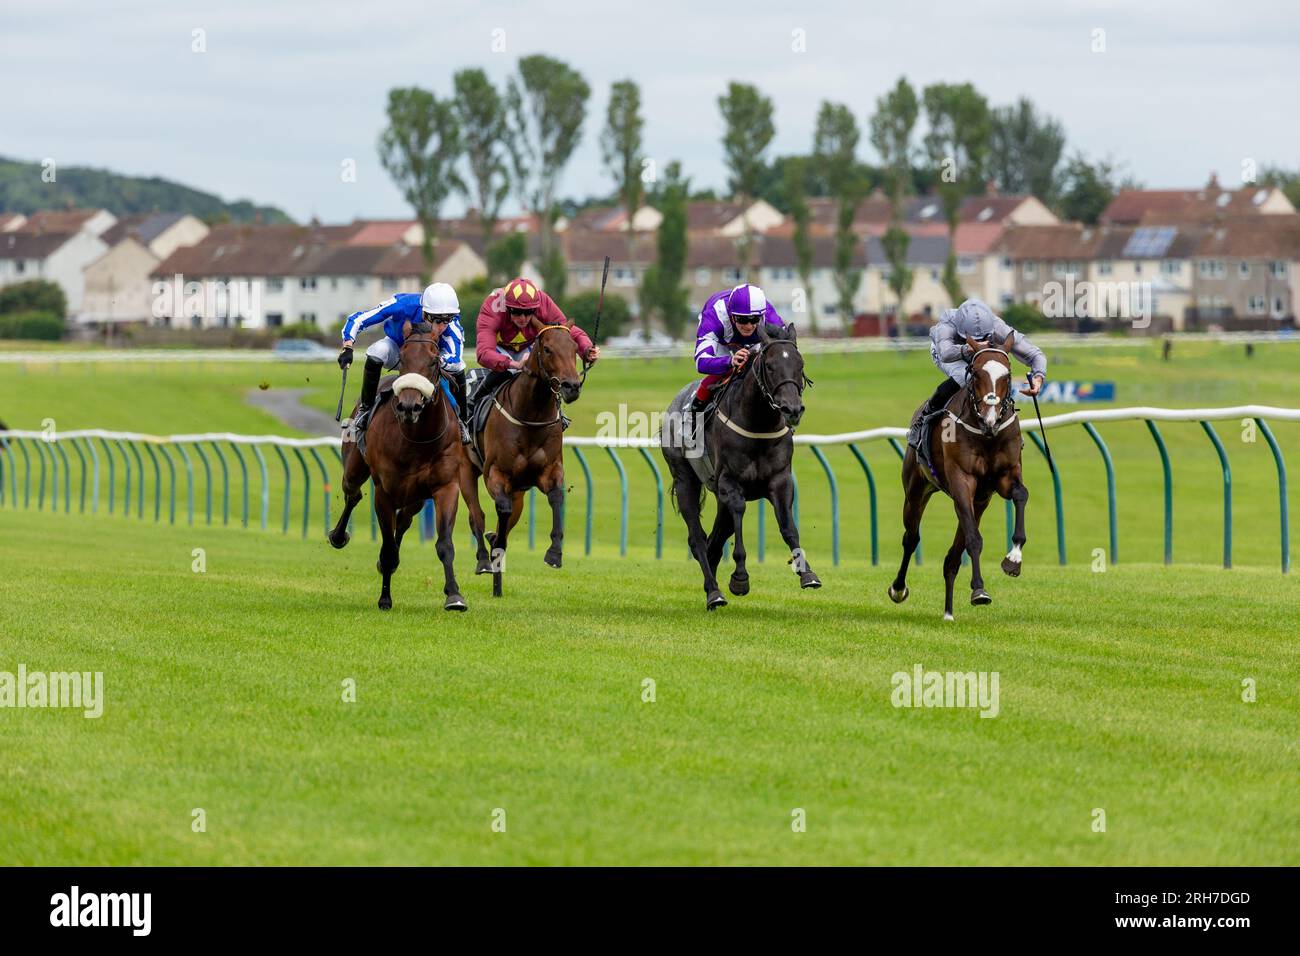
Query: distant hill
[[22, 190]]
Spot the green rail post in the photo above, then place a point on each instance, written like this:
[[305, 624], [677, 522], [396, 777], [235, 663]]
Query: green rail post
[[284, 460], [1227, 493], [659, 503], [306, 490], [1169, 490], [243, 471], [898, 450], [266, 489], [81, 458], [1056, 490], [586, 472], [207, 480], [225, 483], [157, 481], [622, 484], [112, 495], [1281, 491], [835, 504], [139, 464], [532, 518], [13, 478], [67, 478], [94, 459], [27, 476], [325, 483], [189, 483], [40, 495], [871, 497], [171, 478], [1110, 489]]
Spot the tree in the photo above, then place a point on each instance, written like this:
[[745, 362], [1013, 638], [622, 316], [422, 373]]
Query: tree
[[419, 149], [957, 143], [891, 135], [835, 144], [506, 256], [662, 290], [1025, 149], [482, 116], [796, 179], [34, 295], [620, 145], [747, 117], [1088, 188], [547, 103], [1285, 180], [615, 314]]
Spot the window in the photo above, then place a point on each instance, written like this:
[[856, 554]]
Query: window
[[934, 275], [359, 282], [20, 266], [1279, 307], [701, 276], [274, 320], [307, 283], [965, 265], [307, 317], [1105, 267], [1065, 268], [1171, 267], [1243, 269], [1007, 299], [1278, 270], [334, 284], [1006, 263], [390, 284], [1211, 269], [623, 276], [1030, 270], [274, 285], [584, 276], [1258, 305], [732, 277]]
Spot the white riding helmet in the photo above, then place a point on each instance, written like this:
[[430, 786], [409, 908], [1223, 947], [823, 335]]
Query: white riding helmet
[[440, 299]]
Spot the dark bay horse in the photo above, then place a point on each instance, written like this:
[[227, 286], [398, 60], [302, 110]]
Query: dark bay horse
[[750, 442], [522, 447], [975, 451], [413, 451]]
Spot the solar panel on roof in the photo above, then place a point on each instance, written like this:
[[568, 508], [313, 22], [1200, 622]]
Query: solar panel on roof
[[1149, 242]]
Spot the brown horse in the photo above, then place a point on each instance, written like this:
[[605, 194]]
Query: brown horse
[[413, 450], [975, 451], [522, 447]]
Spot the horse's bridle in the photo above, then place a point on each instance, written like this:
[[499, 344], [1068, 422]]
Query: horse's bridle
[[552, 381], [769, 395], [1004, 405], [424, 404]]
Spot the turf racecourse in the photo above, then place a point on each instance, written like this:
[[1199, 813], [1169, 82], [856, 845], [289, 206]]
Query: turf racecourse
[[1118, 690]]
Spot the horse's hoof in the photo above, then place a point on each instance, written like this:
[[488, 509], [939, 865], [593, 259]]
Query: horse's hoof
[[385, 603], [339, 541], [898, 597], [554, 559], [715, 600], [455, 603], [1011, 568], [483, 567], [809, 580], [738, 585], [980, 596], [947, 615]]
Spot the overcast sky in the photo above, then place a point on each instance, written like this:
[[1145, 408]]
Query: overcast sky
[[288, 89]]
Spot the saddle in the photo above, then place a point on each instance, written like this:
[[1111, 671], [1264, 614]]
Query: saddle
[[918, 436], [480, 403], [360, 423], [702, 463]]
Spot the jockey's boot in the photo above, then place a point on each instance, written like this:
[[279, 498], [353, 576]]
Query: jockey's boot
[[936, 402], [369, 384], [462, 411], [693, 415]]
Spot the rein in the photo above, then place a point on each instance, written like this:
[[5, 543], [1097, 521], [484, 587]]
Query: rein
[[446, 418], [552, 381], [768, 394]]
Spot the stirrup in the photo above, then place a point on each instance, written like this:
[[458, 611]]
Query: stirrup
[[464, 432]]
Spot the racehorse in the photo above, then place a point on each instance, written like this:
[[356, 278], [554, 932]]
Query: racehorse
[[414, 453], [521, 447], [974, 452], [749, 441]]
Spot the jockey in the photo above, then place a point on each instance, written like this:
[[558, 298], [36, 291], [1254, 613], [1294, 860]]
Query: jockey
[[728, 331], [504, 332], [948, 349], [439, 307]]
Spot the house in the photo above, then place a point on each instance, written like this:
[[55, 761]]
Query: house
[[118, 284], [9, 221], [613, 219], [94, 221], [927, 254], [271, 275], [1156, 207], [1246, 272], [58, 257], [729, 217]]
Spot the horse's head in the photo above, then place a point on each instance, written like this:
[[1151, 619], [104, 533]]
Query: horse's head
[[989, 380], [779, 371], [418, 372], [555, 357]]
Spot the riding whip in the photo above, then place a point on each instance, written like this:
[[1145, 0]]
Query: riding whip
[[600, 304], [338, 415], [1030, 378]]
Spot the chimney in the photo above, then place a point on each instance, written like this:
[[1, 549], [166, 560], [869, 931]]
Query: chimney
[[991, 187], [1214, 181]]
